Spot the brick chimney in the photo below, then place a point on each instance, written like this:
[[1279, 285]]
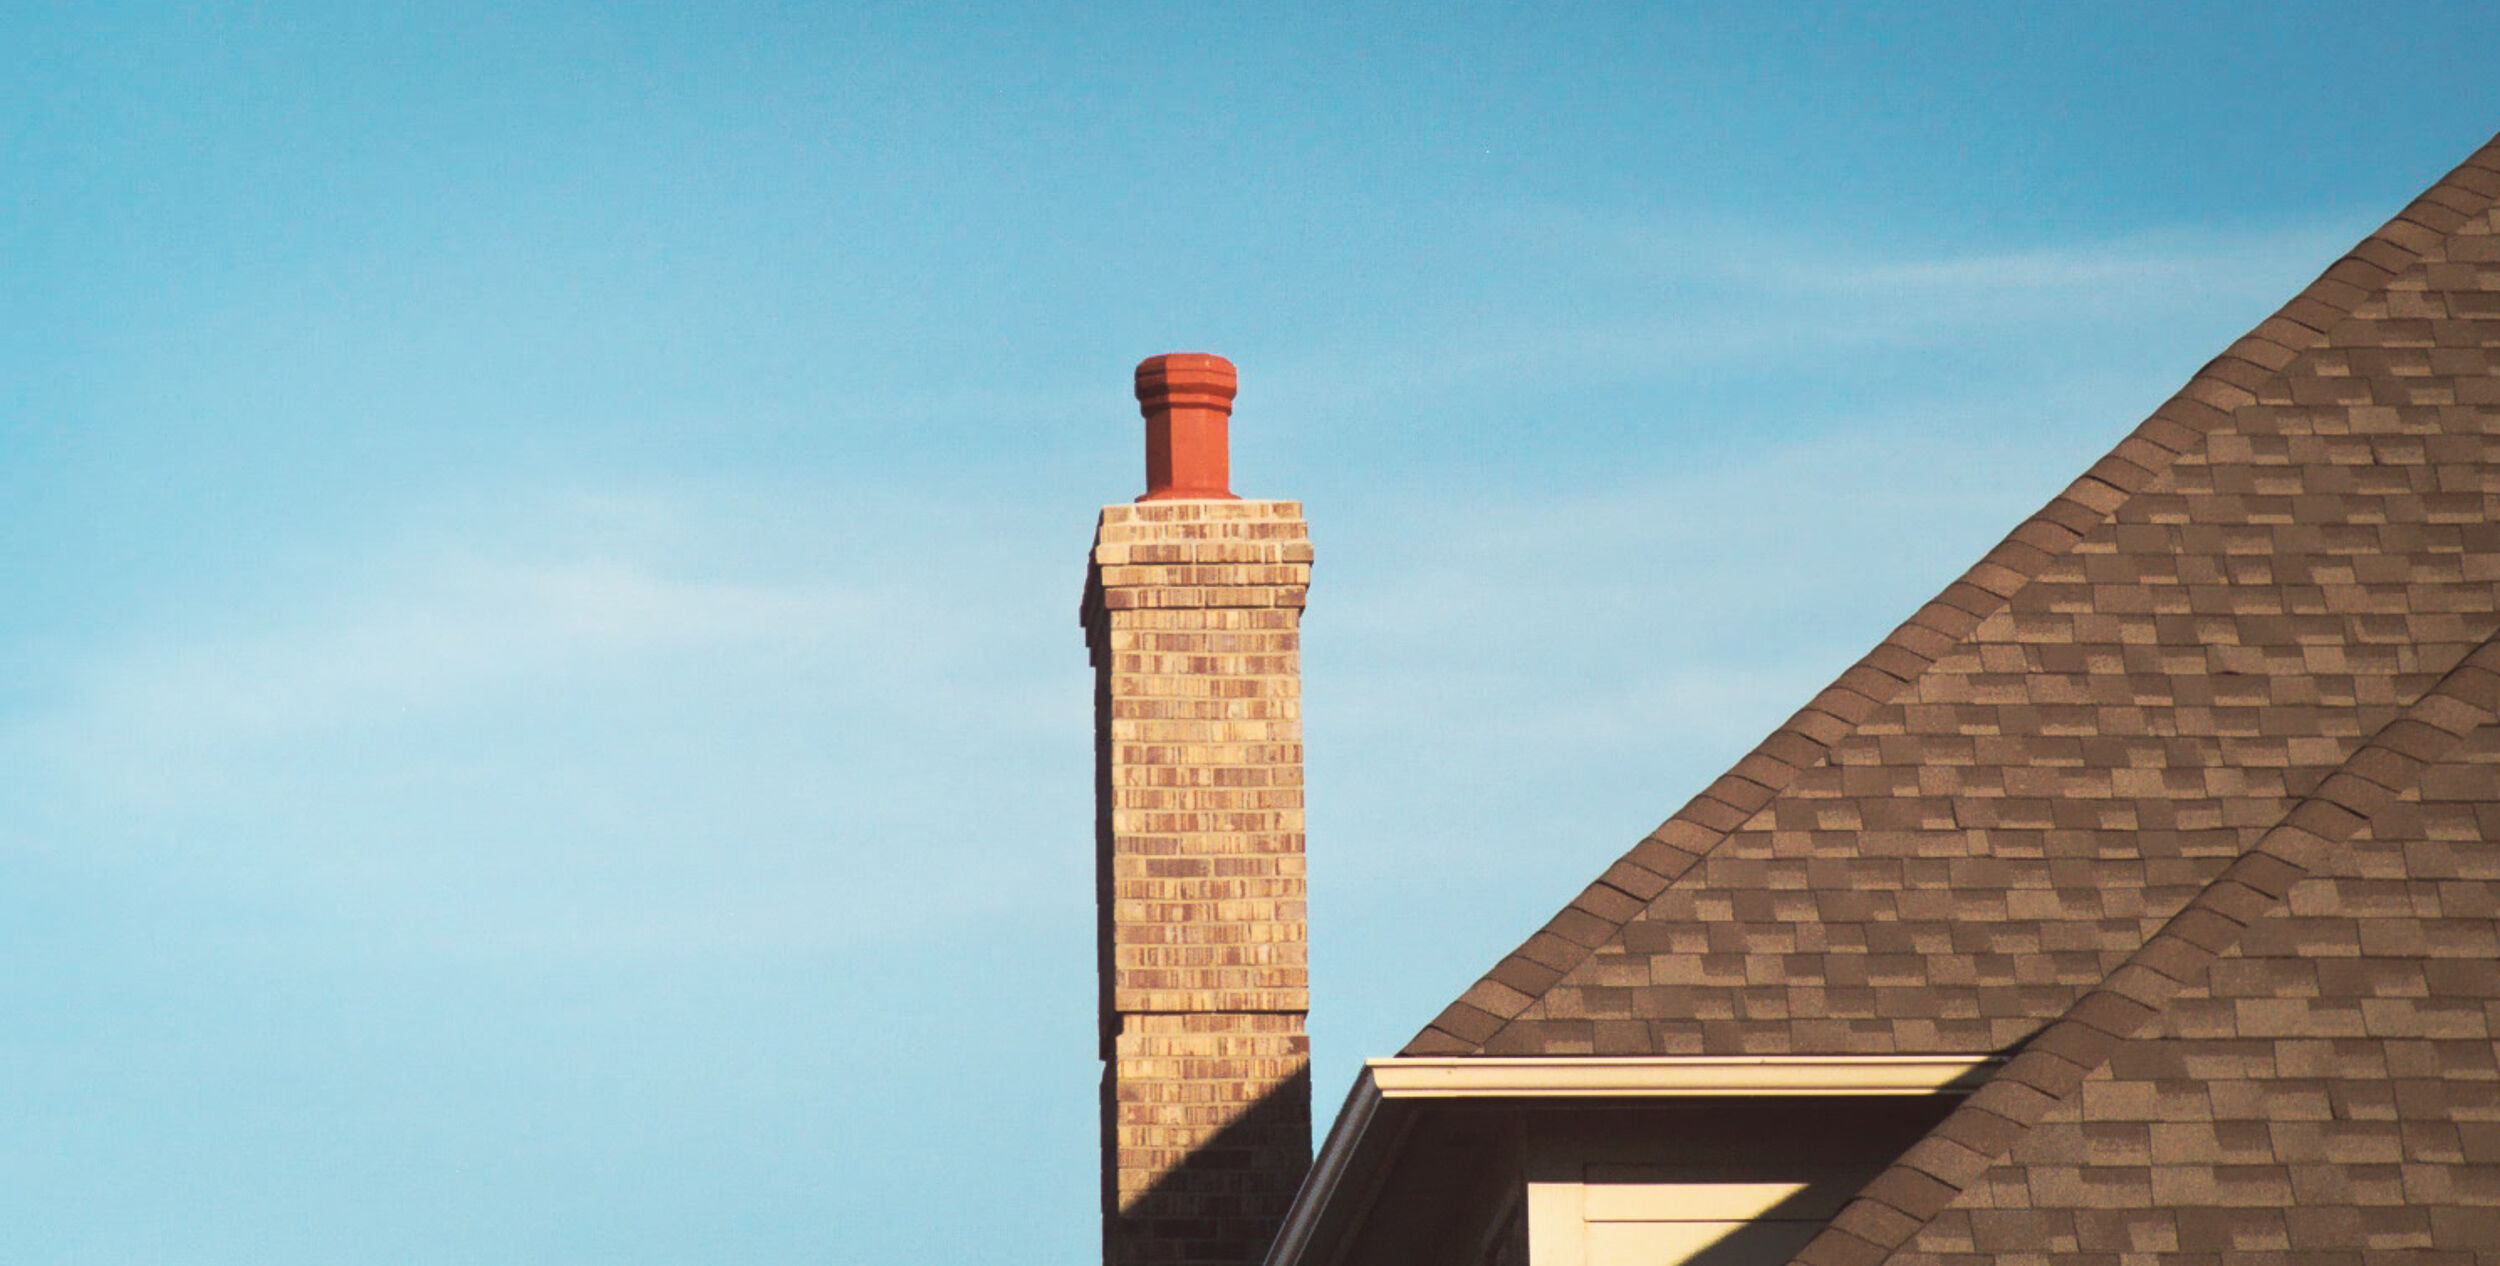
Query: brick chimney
[[1193, 607]]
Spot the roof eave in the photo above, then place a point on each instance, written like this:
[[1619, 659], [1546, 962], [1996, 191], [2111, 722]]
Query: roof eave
[[1356, 1144]]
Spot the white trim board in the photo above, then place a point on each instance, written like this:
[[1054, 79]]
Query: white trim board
[[1674, 1075]]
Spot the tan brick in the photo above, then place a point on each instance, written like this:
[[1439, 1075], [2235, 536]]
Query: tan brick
[[1191, 615]]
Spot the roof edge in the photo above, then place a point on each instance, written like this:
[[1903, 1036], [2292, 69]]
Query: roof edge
[[1328, 1172], [1667, 854]]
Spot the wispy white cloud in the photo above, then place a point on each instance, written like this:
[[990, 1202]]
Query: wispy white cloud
[[1833, 256], [705, 724], [2133, 263], [1626, 299], [1714, 561], [437, 637]]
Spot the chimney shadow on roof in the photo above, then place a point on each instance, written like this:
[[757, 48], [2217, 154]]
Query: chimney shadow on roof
[[1223, 1203]]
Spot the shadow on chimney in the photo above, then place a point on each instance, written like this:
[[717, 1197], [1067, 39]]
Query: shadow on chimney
[[1222, 1204]]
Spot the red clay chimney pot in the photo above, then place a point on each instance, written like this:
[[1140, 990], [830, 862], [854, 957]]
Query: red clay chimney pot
[[1187, 398]]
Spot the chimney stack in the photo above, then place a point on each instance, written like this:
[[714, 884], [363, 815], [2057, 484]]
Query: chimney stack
[[1192, 614]]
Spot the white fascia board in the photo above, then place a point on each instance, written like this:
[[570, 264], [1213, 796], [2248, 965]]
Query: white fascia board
[[1602, 1077], [1585, 1077]]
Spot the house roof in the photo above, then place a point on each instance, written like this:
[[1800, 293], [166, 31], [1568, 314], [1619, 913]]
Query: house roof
[[2186, 797], [2196, 645], [2301, 1061]]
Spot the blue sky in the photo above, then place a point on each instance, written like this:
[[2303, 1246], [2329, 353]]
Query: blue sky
[[541, 705]]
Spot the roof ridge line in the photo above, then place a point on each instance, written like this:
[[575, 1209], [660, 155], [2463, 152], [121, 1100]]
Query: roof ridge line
[[1982, 1129], [2182, 422]]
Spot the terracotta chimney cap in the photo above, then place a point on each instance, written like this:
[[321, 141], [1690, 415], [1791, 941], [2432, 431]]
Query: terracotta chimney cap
[[1166, 378], [1187, 398]]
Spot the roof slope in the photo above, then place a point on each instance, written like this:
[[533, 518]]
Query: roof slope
[[1998, 806], [2301, 1061], [2330, 1083]]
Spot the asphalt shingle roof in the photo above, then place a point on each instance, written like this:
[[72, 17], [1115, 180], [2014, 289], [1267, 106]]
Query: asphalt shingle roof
[[2308, 960], [2327, 1083], [2187, 797]]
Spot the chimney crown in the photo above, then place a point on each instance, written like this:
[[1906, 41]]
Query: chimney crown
[[1187, 398]]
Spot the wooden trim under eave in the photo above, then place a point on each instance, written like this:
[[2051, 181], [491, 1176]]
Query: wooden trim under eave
[[1422, 1078], [1579, 1077]]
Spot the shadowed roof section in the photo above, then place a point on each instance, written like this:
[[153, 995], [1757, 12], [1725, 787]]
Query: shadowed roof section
[[2001, 805]]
